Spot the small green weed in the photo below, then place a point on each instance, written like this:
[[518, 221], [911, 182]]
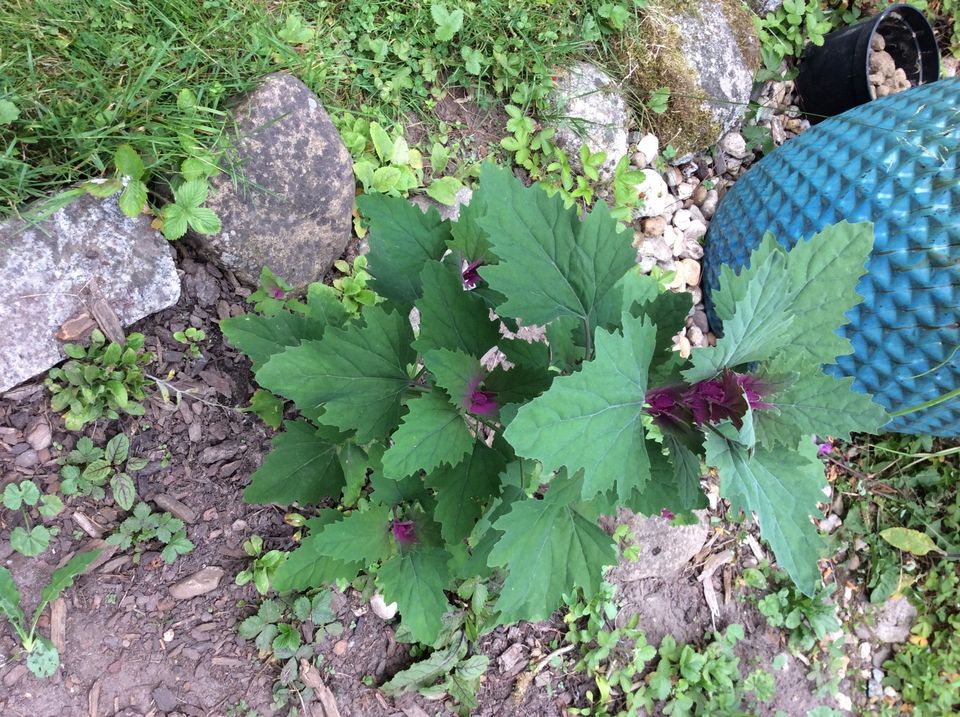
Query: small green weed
[[42, 657], [87, 469], [100, 380], [144, 526], [190, 338], [352, 288], [785, 32], [29, 539], [264, 564]]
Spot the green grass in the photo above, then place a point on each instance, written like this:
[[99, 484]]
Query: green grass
[[88, 75]]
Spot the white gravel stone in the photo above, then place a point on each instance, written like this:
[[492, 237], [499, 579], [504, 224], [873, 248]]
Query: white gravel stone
[[685, 190], [709, 206], [649, 147], [381, 609], [655, 195], [734, 144], [682, 219]]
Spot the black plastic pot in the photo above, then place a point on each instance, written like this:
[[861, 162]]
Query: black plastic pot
[[833, 78]]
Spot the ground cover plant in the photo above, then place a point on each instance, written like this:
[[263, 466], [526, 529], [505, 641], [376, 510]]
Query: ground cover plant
[[80, 80], [499, 473]]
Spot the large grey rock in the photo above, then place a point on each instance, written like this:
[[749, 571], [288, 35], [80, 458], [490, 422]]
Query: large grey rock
[[718, 41], [291, 207], [665, 550], [44, 268], [593, 112]]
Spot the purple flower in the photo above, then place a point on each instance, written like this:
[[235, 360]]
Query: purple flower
[[478, 402], [277, 292], [471, 277], [664, 513], [725, 397], [403, 531], [824, 449]]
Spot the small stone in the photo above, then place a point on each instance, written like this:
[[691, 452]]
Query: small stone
[[168, 636], [844, 702], [655, 195], [864, 650], [699, 319], [26, 459], [657, 247], [13, 676], [176, 508], [877, 42], [697, 215], [681, 344], [685, 190], [653, 226], [881, 655], [674, 238], [709, 205], [695, 230], [165, 699], [890, 692], [340, 648], [830, 523], [649, 147], [672, 176], [688, 270], [639, 160], [734, 145], [381, 609], [682, 219], [699, 194], [691, 249], [201, 582], [696, 337], [510, 657], [195, 432], [39, 436], [239, 525], [894, 619]]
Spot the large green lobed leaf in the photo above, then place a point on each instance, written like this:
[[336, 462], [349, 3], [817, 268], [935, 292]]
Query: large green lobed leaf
[[433, 433], [552, 264], [415, 580], [355, 374], [591, 421]]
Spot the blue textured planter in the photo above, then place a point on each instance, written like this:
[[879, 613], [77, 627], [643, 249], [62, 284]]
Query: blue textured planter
[[894, 162]]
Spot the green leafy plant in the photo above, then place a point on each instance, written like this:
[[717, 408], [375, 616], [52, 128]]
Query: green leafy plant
[[87, 470], [784, 33], [186, 211], [42, 657], [264, 565], [926, 669], [352, 288], [190, 338], [100, 380], [471, 472], [29, 539], [806, 619], [447, 668], [276, 630], [144, 526]]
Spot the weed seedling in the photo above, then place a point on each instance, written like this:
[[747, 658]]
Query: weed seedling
[[264, 564], [99, 380], [145, 526], [86, 470], [28, 539], [191, 338], [42, 657]]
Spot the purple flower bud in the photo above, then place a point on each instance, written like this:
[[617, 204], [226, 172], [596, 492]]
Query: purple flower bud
[[824, 449], [277, 292], [471, 277], [664, 513], [403, 531], [482, 403]]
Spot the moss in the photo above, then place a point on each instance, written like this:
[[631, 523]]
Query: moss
[[740, 18], [652, 58]]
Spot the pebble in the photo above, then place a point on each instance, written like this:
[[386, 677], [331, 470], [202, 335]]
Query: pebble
[[381, 609], [699, 319], [681, 344], [709, 205], [655, 194], [830, 523], [865, 649], [201, 582], [649, 147], [734, 144], [672, 176], [639, 159], [685, 190], [340, 648], [653, 226], [688, 270], [39, 436], [510, 657], [695, 230], [165, 699], [657, 247], [699, 194], [696, 337], [844, 702], [27, 459], [14, 675], [697, 215], [682, 219]]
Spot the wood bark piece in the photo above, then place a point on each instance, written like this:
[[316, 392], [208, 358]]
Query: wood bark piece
[[58, 625], [103, 312], [311, 678]]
